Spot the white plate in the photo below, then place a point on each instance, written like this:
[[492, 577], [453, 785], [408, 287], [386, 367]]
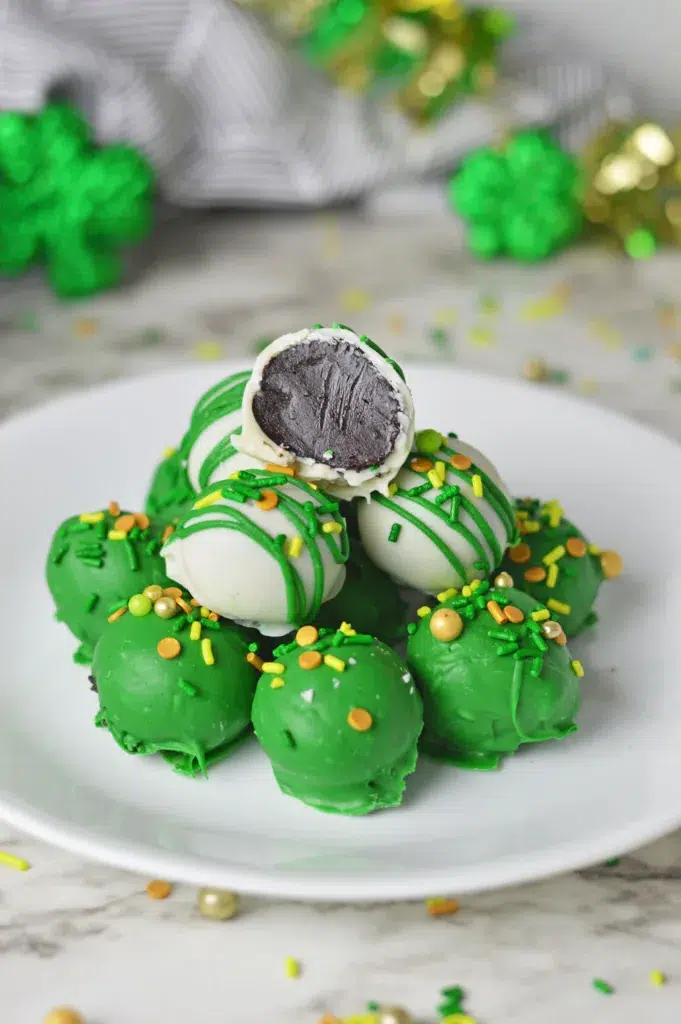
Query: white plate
[[610, 787]]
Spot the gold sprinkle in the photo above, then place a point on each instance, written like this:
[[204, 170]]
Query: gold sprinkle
[[434, 480], [439, 907], [158, 890], [558, 606], [293, 546], [359, 719], [520, 553], [496, 612], [173, 592], [268, 500], [142, 520], [207, 651], [253, 659], [167, 532], [195, 631], [117, 535], [208, 499], [186, 608], [277, 683], [576, 547], [513, 614], [332, 527], [307, 635], [115, 616], [541, 615], [169, 647], [85, 327], [114, 509], [125, 522], [309, 660], [91, 517], [612, 564], [420, 464], [423, 611], [535, 574], [461, 462], [554, 556], [274, 668], [552, 576], [335, 663], [445, 595], [478, 489], [577, 668], [272, 467]]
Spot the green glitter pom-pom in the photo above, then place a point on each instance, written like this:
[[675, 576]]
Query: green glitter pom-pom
[[66, 204], [522, 201]]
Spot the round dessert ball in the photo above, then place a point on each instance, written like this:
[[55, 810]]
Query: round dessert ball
[[339, 717], [447, 521], [555, 563], [494, 673], [174, 679], [96, 560], [170, 493], [332, 404], [369, 600], [265, 549]]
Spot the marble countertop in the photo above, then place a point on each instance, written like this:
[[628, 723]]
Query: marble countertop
[[209, 288]]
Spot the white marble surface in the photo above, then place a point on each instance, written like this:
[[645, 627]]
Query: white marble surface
[[76, 933]]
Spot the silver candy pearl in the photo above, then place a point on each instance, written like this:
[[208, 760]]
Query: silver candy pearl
[[551, 629], [218, 904]]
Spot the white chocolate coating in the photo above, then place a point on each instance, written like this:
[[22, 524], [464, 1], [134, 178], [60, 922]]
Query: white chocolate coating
[[342, 483], [202, 447], [414, 559]]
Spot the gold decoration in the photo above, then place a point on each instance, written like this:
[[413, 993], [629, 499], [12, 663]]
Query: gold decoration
[[218, 904]]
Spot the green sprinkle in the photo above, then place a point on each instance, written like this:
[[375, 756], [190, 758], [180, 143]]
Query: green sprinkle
[[208, 623], [328, 454], [501, 634], [603, 986], [187, 688], [519, 655], [179, 624], [613, 862], [482, 566], [95, 563], [79, 527], [116, 607], [415, 492], [411, 628], [91, 602], [509, 648], [131, 555], [254, 648], [152, 548], [395, 531], [537, 665], [82, 655], [539, 642], [60, 554]]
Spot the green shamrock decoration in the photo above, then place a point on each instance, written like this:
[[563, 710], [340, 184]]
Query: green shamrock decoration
[[67, 204], [522, 201]]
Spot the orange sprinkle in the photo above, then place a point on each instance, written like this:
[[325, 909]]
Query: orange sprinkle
[[169, 647], [186, 608], [440, 906], [461, 462], [561, 638], [535, 574], [420, 465], [194, 603], [142, 520], [169, 530], [513, 614], [158, 890], [213, 616], [496, 612], [360, 720], [114, 508], [125, 523], [115, 616], [172, 592], [520, 553], [253, 659], [268, 500], [85, 327], [576, 547], [309, 659], [272, 467], [307, 635]]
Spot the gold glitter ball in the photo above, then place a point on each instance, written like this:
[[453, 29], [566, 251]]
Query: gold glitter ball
[[535, 369], [218, 904], [504, 579], [446, 624], [165, 607], [612, 564], [394, 1015], [551, 629], [64, 1015], [153, 592]]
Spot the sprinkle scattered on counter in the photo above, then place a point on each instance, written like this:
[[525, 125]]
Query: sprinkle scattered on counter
[[209, 350], [355, 300], [64, 1015], [440, 907], [85, 327], [158, 890], [439, 337], [10, 861], [291, 967], [481, 337], [613, 862], [535, 370], [642, 354], [397, 323], [446, 317], [603, 986], [657, 979], [553, 304], [588, 386], [604, 332]]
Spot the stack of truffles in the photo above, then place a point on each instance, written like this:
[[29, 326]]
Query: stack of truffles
[[267, 587]]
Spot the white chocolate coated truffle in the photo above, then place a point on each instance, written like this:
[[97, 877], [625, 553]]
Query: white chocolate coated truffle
[[449, 524], [266, 550], [329, 402]]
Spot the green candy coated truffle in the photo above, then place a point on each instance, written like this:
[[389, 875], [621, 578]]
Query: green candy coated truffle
[[369, 600], [170, 493], [90, 575], [304, 726], [495, 686], [579, 577], [181, 706]]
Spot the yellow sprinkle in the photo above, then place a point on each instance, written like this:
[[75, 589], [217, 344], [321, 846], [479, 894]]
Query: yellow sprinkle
[[554, 556], [332, 527], [594, 549], [577, 668], [552, 576], [361, 1018], [531, 526], [274, 668], [478, 489], [423, 611], [91, 517], [481, 337], [195, 631], [346, 628], [445, 595], [209, 499], [588, 386], [547, 307], [292, 967], [446, 317], [293, 546], [315, 487], [207, 651], [277, 683], [168, 452], [474, 584], [441, 470], [434, 479], [205, 612], [117, 535], [558, 606], [555, 512], [355, 299], [335, 663], [85, 327], [208, 350], [605, 332], [658, 979], [393, 488], [522, 514], [541, 615], [466, 591], [457, 1018], [18, 863]]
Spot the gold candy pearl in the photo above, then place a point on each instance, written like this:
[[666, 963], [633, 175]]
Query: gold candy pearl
[[218, 904], [153, 592], [504, 579], [165, 607], [535, 369], [551, 629], [612, 564], [446, 624], [394, 1015], [64, 1015]]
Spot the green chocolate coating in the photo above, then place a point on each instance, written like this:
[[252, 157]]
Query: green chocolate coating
[[88, 574], [303, 727], [191, 712], [369, 600], [170, 493], [480, 700], [579, 579]]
